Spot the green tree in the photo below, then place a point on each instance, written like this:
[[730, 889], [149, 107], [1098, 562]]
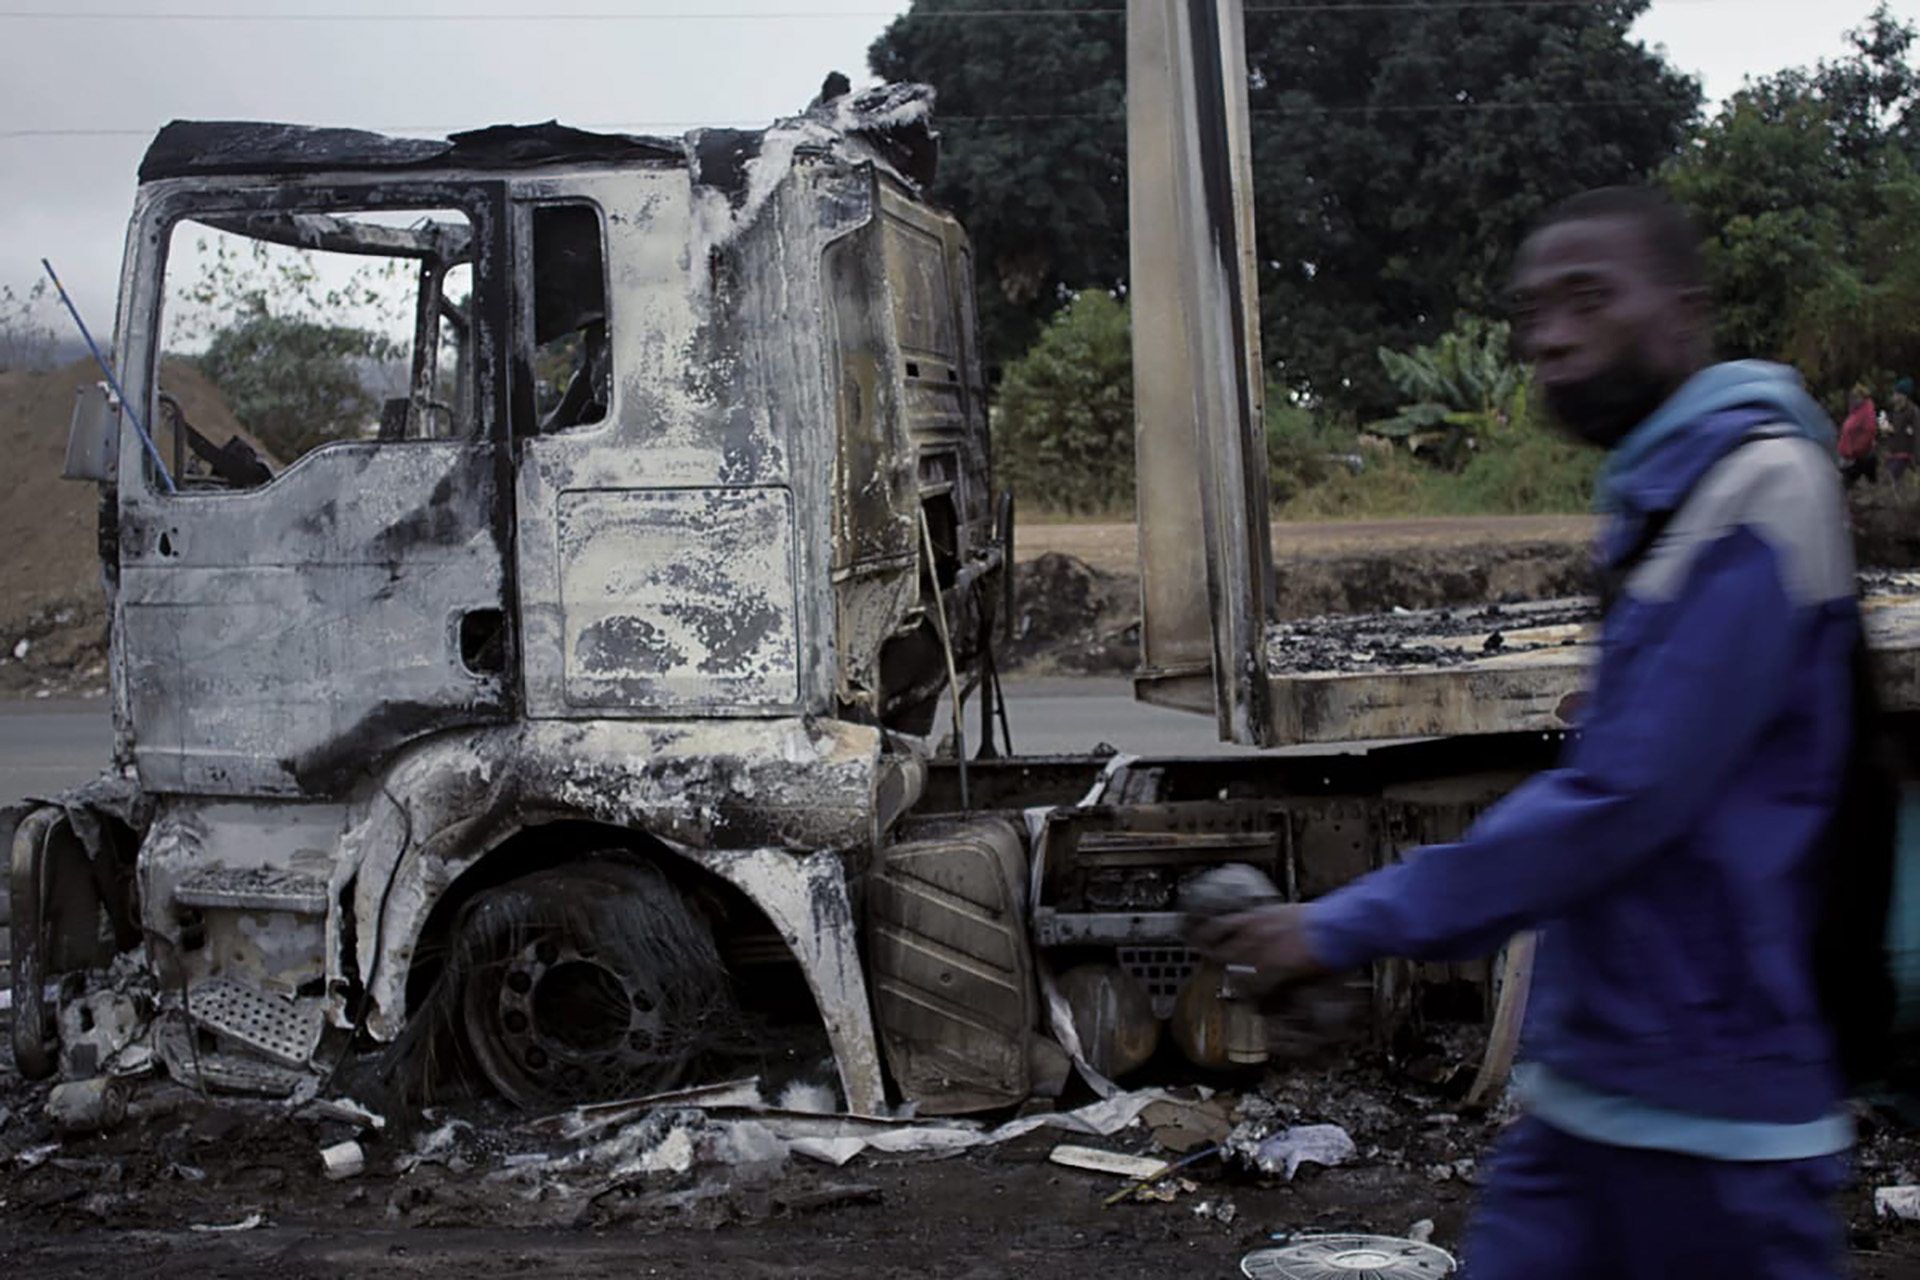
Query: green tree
[[294, 383], [262, 322], [1063, 426], [1806, 185], [1399, 155], [1033, 155]]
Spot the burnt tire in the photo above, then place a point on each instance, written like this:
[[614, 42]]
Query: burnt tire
[[585, 982]]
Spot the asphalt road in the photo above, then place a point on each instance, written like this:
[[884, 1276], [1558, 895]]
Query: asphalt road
[[47, 746]]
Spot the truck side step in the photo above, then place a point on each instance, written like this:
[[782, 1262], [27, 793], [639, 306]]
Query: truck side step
[[254, 889], [269, 1025], [225, 1072]]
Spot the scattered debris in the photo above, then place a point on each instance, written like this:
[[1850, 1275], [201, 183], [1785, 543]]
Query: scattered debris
[[248, 1223], [344, 1160], [1220, 1211], [441, 1146], [34, 1157], [1897, 1202], [1167, 1190], [1095, 1160], [801, 1095], [87, 1106], [580, 1122], [1461, 1170], [21, 649], [1343, 1256], [349, 1111], [1286, 1151], [1421, 1232], [1183, 1127]]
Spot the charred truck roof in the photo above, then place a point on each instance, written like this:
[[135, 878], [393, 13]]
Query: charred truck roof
[[891, 121]]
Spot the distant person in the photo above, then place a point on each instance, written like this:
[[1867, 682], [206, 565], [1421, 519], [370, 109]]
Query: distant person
[[1903, 429], [1858, 438], [1681, 1084]]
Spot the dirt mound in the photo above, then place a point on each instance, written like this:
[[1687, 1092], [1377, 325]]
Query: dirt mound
[[1429, 578], [52, 609], [1071, 618]]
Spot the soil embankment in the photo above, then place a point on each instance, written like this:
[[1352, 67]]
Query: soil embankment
[[1077, 588], [53, 630]]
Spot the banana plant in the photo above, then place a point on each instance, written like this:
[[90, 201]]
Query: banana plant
[[1461, 390]]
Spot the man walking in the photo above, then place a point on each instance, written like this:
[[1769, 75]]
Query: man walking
[[1683, 1102]]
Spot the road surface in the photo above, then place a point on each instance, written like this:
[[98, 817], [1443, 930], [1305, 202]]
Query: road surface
[[47, 746]]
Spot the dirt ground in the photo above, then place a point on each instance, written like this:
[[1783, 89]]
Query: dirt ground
[[141, 1201]]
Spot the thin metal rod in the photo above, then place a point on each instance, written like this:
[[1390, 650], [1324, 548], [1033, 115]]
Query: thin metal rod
[[946, 645], [133, 415]]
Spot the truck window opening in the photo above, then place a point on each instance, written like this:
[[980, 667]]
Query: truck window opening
[[572, 358], [314, 328]]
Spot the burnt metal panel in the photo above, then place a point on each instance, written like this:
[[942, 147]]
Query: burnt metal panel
[[953, 985], [1453, 686], [1206, 560], [1107, 928], [678, 597], [876, 547], [720, 382], [283, 640]]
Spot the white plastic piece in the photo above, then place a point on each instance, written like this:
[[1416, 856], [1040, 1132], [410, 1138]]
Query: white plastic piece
[[1897, 1202], [1094, 1160], [344, 1160]]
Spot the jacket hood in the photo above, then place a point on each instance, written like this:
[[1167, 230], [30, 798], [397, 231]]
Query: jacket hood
[[1774, 390]]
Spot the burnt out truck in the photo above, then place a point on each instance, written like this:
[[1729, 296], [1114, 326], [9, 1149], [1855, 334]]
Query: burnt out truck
[[592, 725]]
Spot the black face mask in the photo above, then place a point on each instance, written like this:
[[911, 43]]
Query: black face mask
[[1604, 408]]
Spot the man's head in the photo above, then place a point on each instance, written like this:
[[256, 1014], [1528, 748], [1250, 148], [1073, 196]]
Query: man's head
[[1610, 306], [1858, 396]]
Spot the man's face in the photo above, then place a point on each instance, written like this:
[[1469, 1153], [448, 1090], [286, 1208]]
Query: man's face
[[1609, 337]]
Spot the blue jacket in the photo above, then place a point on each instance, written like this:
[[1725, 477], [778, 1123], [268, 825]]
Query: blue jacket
[[1667, 859]]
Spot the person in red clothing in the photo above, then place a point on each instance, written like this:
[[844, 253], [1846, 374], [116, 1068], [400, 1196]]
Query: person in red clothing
[[1858, 435]]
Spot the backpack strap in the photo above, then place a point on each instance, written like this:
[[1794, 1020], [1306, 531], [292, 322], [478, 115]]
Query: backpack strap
[[1613, 577]]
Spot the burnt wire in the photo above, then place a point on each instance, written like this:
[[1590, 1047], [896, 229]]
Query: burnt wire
[[946, 646]]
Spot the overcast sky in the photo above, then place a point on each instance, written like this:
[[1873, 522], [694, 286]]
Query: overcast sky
[[665, 66]]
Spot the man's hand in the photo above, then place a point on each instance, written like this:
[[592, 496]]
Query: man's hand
[[1270, 940]]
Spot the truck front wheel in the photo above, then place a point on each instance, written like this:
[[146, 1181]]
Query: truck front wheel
[[589, 981]]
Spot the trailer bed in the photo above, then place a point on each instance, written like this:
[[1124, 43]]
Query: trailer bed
[[1507, 668]]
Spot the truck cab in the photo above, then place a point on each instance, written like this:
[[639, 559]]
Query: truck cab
[[669, 539]]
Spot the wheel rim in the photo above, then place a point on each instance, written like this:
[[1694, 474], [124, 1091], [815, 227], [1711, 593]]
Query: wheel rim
[[565, 1002]]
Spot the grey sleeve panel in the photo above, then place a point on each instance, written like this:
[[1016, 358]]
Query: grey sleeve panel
[[1787, 492]]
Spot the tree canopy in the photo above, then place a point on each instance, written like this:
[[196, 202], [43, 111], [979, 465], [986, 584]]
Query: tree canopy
[[1805, 184], [1398, 158]]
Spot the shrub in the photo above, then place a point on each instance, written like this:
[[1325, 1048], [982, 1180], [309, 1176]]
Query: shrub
[[1063, 429]]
